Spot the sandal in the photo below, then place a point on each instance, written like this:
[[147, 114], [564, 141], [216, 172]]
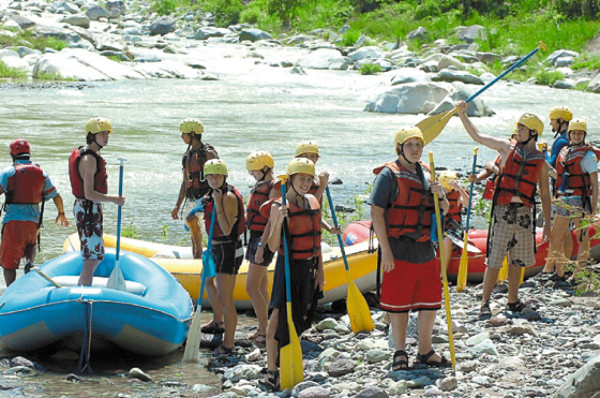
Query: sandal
[[271, 381], [213, 328], [517, 306], [400, 364], [485, 312], [424, 359], [222, 350]]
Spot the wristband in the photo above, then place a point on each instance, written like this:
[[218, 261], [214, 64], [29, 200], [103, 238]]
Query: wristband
[[260, 244], [61, 213]]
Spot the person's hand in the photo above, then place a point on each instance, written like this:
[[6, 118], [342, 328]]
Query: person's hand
[[62, 219], [320, 281], [454, 184], [217, 195], [473, 178], [542, 145], [283, 212], [323, 178], [553, 173], [259, 256], [119, 200], [462, 107], [546, 233], [336, 230], [175, 213], [387, 260], [436, 188]]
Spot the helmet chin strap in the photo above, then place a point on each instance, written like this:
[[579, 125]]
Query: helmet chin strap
[[264, 174], [529, 139], [404, 156], [96, 142]]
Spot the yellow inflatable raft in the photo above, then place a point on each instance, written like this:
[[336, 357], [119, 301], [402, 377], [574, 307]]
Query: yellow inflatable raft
[[363, 266]]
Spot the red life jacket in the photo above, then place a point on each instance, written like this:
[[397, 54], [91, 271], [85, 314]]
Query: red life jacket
[[100, 177], [192, 162], [519, 176], [258, 195], [238, 227], [26, 186], [490, 183], [304, 226], [411, 212], [455, 209], [572, 181]]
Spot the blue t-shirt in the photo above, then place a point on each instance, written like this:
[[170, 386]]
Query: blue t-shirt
[[16, 212], [561, 141]]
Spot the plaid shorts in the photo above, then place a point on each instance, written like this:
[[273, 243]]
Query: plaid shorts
[[512, 234]]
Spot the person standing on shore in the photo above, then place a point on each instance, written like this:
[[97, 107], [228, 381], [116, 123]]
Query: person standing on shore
[[402, 209], [194, 185], [25, 185], [87, 172], [513, 206]]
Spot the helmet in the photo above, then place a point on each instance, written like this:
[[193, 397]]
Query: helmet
[[301, 165], [445, 177], [191, 126], [19, 146], [578, 124], [307, 147], [215, 166], [97, 125], [258, 160], [532, 122], [515, 130], [561, 113], [404, 134]]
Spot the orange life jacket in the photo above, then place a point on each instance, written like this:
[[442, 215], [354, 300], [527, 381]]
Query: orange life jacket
[[519, 176], [26, 186], [304, 226], [192, 162], [238, 227], [411, 212], [490, 183], [571, 179], [100, 177], [455, 209], [258, 195]]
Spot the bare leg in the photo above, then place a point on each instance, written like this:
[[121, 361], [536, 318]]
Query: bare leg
[[211, 292], [399, 322], [425, 324], [568, 243], [448, 247], [9, 276], [225, 285], [193, 224], [272, 344], [514, 277], [555, 254], [584, 242], [87, 272], [257, 288], [490, 276]]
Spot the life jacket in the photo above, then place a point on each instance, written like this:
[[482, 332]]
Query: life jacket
[[258, 195], [572, 180], [455, 209], [192, 162], [26, 186], [238, 227], [490, 183], [410, 214], [519, 176], [304, 227], [100, 177]]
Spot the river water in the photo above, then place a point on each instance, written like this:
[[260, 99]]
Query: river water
[[251, 107]]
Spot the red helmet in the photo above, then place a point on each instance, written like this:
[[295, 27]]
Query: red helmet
[[19, 146]]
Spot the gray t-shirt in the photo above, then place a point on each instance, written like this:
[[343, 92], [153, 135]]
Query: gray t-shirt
[[385, 190]]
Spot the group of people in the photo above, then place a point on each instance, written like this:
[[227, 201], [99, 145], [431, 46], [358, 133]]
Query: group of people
[[402, 212]]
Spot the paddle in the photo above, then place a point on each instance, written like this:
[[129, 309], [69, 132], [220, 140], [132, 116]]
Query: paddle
[[461, 281], [503, 273], [290, 355], [433, 125], [192, 344], [440, 235], [358, 310], [46, 277], [115, 280]]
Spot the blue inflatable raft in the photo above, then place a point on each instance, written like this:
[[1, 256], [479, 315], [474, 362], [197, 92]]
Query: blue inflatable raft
[[151, 317]]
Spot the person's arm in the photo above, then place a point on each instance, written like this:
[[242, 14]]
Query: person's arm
[[464, 195], [180, 198], [436, 188], [211, 154], [320, 279], [501, 145], [278, 213], [226, 207], [323, 181], [594, 178], [559, 144], [545, 197], [58, 202], [87, 168], [380, 228]]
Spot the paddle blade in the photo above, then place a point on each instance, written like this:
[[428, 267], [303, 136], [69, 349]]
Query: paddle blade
[[461, 281], [503, 271], [116, 280], [290, 357], [522, 276], [192, 343], [433, 125], [208, 264], [358, 309]]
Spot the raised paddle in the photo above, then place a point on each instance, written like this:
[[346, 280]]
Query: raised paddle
[[461, 281], [440, 235], [192, 344], [115, 280], [358, 310], [290, 355], [433, 125]]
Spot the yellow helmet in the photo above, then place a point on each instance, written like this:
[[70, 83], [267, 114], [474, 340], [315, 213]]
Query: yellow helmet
[[561, 113], [258, 160], [191, 126], [515, 130], [215, 166], [578, 124], [532, 122], [404, 134], [301, 165], [307, 147], [97, 125], [445, 177]]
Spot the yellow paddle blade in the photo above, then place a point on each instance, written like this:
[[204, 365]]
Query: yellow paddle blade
[[290, 357], [522, 276], [358, 309], [503, 271], [433, 125], [192, 343], [461, 280]]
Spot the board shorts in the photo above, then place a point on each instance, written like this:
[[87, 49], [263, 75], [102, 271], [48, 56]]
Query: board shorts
[[89, 220], [512, 233], [193, 207], [253, 246], [16, 236], [412, 287], [228, 257], [573, 206]]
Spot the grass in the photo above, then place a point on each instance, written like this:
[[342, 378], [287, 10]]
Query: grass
[[586, 61], [13, 73], [370, 69], [28, 39], [52, 76], [548, 77]]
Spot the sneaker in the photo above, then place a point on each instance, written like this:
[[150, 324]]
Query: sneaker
[[28, 267], [485, 312], [518, 306]]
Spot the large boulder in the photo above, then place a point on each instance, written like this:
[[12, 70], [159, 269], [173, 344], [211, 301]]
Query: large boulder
[[16, 63], [584, 383], [96, 12], [325, 58], [168, 69], [460, 92], [370, 52], [162, 26], [209, 31], [80, 20], [63, 7], [67, 35], [471, 33], [594, 85], [448, 75], [116, 7], [413, 98], [562, 53], [446, 61], [254, 35], [23, 22], [409, 75], [419, 34]]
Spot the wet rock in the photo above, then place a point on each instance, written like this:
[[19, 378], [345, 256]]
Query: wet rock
[[18, 370], [398, 388], [243, 372], [412, 98], [341, 367], [73, 378], [584, 383], [162, 26], [137, 373], [22, 362], [254, 35]]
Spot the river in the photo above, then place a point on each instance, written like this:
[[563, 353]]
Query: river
[[251, 107]]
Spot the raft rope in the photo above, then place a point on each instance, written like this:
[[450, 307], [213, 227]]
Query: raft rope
[[86, 344]]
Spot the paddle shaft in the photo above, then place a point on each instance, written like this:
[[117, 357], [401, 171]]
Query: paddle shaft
[[46, 277], [121, 160], [335, 223], [471, 191], [213, 220], [288, 283]]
